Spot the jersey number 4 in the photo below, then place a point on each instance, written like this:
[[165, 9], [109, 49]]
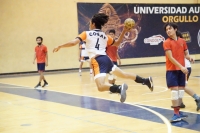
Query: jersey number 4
[[97, 44]]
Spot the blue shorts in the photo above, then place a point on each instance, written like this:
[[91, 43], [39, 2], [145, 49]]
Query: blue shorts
[[115, 63], [175, 78], [101, 65], [41, 66], [85, 58]]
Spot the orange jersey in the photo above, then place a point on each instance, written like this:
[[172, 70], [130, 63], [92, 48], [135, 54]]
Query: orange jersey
[[41, 52], [96, 42], [178, 52], [112, 52]]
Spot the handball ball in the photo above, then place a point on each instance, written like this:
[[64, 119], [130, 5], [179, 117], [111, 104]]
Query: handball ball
[[129, 23]]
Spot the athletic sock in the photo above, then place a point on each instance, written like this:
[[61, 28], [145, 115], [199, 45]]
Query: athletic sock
[[80, 70], [45, 81], [195, 96], [115, 89], [139, 79], [176, 110], [91, 71]]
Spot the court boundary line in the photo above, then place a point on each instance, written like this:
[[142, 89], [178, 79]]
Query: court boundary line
[[95, 87], [28, 87]]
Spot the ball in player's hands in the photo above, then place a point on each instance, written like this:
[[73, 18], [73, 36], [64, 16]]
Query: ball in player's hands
[[129, 23]]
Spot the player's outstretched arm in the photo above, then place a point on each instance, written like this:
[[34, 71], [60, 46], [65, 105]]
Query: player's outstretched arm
[[68, 44], [119, 40]]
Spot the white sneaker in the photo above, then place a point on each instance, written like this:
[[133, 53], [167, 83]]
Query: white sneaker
[[124, 87]]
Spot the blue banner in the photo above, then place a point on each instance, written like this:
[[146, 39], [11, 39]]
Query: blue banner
[[146, 38]]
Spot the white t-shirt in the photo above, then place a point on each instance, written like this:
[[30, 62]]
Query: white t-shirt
[[84, 52], [187, 63], [96, 42]]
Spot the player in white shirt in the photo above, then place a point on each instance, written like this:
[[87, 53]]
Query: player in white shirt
[[188, 90], [96, 43], [188, 65], [84, 57]]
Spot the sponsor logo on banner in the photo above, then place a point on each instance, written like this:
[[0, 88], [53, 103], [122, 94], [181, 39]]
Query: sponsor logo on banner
[[154, 40], [198, 38], [186, 36]]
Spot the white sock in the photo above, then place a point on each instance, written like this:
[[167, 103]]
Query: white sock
[[80, 70], [91, 71]]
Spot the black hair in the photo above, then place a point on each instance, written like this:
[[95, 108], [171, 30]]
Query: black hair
[[112, 31], [39, 37], [178, 34], [174, 25], [99, 19]]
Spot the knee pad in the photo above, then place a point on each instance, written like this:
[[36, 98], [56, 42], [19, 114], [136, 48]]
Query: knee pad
[[181, 93], [174, 95]]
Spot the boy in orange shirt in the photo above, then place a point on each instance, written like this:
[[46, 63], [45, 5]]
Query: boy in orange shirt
[[112, 52], [42, 60], [175, 51], [188, 90]]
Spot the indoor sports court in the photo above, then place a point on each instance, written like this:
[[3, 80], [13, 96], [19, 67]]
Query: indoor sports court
[[70, 102]]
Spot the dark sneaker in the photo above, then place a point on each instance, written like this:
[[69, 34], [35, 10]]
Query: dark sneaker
[[182, 115], [45, 84], [124, 87], [149, 83], [175, 118], [198, 104], [38, 86], [181, 106]]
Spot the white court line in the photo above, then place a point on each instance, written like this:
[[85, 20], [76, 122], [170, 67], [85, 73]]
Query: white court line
[[168, 108], [18, 85], [147, 101], [94, 88], [164, 119], [10, 87], [166, 89]]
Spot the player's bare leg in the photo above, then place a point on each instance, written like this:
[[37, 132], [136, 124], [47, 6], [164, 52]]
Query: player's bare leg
[[190, 92], [145, 81], [102, 86], [80, 68]]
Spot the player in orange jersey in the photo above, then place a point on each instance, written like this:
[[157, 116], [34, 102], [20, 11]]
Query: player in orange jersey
[[42, 60], [175, 51], [188, 90], [112, 52]]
